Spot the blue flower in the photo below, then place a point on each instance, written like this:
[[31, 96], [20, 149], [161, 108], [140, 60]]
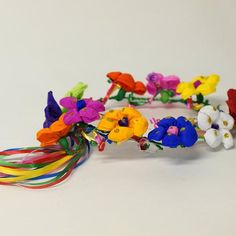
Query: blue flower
[[174, 132], [52, 111]]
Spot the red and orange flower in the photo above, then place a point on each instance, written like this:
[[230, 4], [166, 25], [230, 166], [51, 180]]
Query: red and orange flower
[[50, 136]]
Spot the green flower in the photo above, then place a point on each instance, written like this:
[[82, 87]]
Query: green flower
[[77, 91]]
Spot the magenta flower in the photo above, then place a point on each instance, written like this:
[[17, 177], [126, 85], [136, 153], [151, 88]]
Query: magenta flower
[[85, 110], [158, 82]]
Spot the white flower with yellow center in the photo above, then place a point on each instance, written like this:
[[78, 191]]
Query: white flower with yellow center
[[217, 125]]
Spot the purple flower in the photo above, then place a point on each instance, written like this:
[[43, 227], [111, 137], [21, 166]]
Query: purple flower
[[52, 111], [86, 110], [158, 82]]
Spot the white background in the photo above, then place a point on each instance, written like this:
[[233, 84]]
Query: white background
[[51, 45]]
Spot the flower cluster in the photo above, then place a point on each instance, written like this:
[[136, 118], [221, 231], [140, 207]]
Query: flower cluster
[[59, 122], [77, 113]]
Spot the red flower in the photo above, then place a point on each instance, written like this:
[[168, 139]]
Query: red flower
[[232, 103], [127, 82]]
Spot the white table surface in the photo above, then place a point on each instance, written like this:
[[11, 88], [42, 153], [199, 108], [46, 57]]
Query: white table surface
[[51, 45]]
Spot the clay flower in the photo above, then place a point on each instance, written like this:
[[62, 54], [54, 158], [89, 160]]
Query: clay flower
[[77, 91], [232, 103], [217, 125], [52, 110], [199, 85], [158, 82], [50, 136], [174, 132], [85, 110], [123, 124], [125, 83]]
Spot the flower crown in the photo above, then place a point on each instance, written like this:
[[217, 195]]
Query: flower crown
[[69, 131]]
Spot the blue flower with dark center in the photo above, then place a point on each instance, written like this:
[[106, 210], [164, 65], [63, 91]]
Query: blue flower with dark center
[[174, 132]]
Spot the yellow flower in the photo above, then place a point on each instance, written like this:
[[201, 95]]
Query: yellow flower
[[199, 85], [123, 124]]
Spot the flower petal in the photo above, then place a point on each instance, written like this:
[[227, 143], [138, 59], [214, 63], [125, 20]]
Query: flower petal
[[89, 115], [213, 138], [69, 102], [151, 88], [52, 110], [107, 124], [186, 90], [211, 111], [96, 105], [120, 134], [225, 121], [170, 82], [182, 122], [47, 137], [204, 121], [113, 114], [172, 141], [227, 138], [157, 134], [167, 122], [188, 136], [139, 125], [60, 128], [71, 117], [130, 112]]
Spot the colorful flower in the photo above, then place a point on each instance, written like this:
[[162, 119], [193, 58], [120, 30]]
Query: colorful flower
[[174, 132], [217, 125], [127, 82], [123, 124], [199, 85], [158, 82], [85, 110], [52, 111], [77, 91], [232, 103], [51, 135]]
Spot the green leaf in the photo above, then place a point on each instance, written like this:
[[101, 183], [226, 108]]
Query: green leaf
[[77, 91], [64, 143], [120, 96], [200, 98]]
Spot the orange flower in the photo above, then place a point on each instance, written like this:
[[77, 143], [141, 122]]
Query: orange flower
[[50, 136], [127, 82]]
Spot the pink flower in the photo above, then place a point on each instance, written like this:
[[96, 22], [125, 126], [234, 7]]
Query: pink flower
[[85, 110], [158, 82]]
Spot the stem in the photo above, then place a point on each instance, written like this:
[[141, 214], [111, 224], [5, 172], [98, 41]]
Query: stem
[[112, 88]]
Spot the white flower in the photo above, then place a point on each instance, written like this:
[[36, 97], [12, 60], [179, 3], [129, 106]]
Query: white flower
[[217, 125]]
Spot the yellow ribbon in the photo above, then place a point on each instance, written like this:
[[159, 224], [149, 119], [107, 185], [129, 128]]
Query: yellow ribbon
[[29, 174]]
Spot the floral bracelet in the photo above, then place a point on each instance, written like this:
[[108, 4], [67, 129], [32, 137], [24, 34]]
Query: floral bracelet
[[69, 131]]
